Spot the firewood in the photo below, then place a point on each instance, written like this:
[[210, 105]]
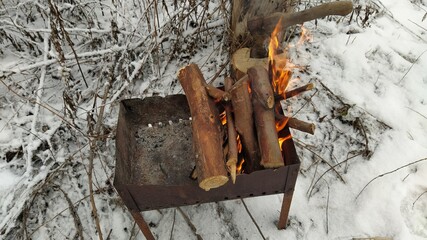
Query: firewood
[[296, 124], [271, 155], [294, 92], [232, 135], [242, 60], [301, 125], [264, 25], [217, 94], [206, 127], [243, 117]]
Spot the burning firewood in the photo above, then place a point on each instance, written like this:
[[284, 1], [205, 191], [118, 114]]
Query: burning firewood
[[271, 155], [232, 135], [294, 92], [295, 124], [206, 126], [301, 125], [243, 114]]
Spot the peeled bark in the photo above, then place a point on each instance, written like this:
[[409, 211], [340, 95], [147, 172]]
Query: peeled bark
[[206, 126]]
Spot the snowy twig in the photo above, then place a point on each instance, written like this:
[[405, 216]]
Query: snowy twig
[[416, 60], [73, 211], [39, 94], [253, 219], [45, 106], [189, 223], [327, 209], [312, 188], [415, 111], [173, 224], [387, 173], [413, 204], [303, 145]]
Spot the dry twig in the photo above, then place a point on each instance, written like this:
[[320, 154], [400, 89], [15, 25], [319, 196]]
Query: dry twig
[[387, 173]]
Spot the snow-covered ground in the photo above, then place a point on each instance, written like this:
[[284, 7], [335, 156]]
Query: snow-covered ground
[[363, 173]]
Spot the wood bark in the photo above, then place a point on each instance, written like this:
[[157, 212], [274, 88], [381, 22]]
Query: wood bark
[[271, 155], [206, 126], [295, 124], [217, 94], [232, 156], [264, 25], [243, 116], [301, 125], [294, 92], [243, 10]]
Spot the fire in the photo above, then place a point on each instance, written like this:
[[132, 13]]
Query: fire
[[280, 72], [279, 66], [282, 140], [223, 118], [280, 69]]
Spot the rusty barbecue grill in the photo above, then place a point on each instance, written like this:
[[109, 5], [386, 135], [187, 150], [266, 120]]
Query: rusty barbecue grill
[[155, 159]]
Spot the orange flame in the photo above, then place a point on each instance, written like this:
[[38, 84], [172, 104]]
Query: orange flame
[[223, 118], [279, 71], [282, 140]]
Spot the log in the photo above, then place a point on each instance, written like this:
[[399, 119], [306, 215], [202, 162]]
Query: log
[[294, 92], [295, 124], [206, 127], [232, 155], [271, 155], [243, 117], [264, 25], [301, 125]]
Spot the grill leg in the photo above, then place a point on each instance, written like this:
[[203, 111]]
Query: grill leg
[[142, 225], [284, 213]]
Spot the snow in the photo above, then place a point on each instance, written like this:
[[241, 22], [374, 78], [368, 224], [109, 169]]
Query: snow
[[371, 88]]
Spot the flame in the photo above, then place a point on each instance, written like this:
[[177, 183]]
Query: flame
[[279, 66], [280, 69], [240, 166], [283, 139], [239, 144], [280, 72], [223, 118], [280, 124], [305, 36]]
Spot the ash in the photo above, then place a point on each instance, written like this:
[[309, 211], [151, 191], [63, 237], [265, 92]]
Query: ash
[[160, 150]]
